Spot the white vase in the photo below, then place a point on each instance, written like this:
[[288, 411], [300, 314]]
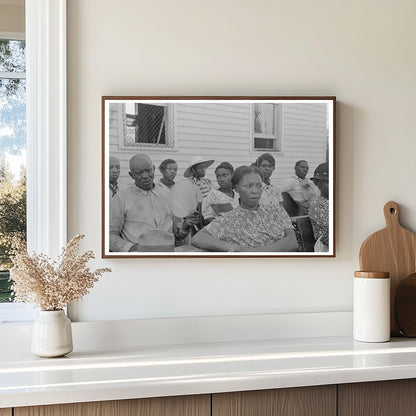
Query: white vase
[[52, 334]]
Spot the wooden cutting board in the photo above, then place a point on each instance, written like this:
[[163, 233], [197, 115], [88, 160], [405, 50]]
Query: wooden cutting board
[[405, 306], [392, 250]]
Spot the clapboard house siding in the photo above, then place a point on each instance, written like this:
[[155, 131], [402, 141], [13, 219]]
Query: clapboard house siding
[[116, 131], [304, 134], [223, 132], [217, 131]]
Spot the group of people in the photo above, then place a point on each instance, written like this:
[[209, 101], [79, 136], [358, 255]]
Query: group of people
[[244, 213]]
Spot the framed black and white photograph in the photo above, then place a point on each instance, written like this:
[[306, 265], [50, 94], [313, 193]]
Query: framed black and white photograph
[[218, 177]]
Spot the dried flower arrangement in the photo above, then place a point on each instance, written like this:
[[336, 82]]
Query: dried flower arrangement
[[52, 285]]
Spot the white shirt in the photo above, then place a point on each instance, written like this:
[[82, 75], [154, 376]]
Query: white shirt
[[301, 190], [216, 197], [134, 211]]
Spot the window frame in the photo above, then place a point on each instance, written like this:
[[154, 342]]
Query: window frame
[[46, 125], [46, 135], [13, 36], [170, 128], [17, 312], [278, 137]]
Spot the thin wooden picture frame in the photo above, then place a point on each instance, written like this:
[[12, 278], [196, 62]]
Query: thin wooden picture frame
[[206, 131]]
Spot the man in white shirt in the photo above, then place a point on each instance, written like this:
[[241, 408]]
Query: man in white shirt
[[141, 207], [299, 187]]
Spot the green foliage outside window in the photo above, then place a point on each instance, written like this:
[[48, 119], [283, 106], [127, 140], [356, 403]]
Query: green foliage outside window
[[12, 144], [12, 224]]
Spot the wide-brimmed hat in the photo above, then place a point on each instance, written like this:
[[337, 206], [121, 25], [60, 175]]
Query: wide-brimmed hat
[[321, 172], [156, 240], [195, 161]]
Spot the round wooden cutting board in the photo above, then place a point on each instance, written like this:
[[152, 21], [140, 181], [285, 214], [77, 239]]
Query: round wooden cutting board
[[392, 250]]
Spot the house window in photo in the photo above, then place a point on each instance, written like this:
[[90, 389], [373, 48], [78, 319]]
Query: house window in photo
[[148, 125], [266, 134]]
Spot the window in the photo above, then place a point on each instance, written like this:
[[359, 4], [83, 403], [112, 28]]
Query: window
[[266, 127], [13, 156], [148, 125], [46, 136]]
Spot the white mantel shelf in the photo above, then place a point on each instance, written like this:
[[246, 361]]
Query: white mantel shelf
[[151, 371]]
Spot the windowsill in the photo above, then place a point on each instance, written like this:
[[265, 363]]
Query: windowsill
[[151, 371], [16, 313]]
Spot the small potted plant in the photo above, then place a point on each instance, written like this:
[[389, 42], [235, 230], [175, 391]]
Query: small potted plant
[[52, 286]]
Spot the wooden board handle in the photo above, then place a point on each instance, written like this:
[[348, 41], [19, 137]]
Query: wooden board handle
[[391, 214]]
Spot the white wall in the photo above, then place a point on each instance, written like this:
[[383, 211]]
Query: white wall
[[12, 17], [360, 51]]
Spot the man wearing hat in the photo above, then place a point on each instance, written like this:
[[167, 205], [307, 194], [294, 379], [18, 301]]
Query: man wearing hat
[[187, 194], [196, 172], [319, 208]]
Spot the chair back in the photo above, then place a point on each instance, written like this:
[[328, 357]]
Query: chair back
[[291, 207], [304, 233]]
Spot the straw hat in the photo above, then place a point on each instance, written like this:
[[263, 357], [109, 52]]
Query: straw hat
[[156, 240], [195, 161]]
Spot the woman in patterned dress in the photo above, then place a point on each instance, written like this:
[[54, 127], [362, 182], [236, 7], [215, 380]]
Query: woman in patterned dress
[[271, 194], [251, 226]]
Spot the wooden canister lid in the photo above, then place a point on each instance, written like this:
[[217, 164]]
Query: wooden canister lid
[[372, 275]]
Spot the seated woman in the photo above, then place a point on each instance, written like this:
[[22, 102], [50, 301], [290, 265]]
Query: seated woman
[[250, 226], [271, 194], [223, 199]]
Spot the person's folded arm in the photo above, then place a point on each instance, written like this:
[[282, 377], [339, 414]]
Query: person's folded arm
[[287, 244], [203, 239]]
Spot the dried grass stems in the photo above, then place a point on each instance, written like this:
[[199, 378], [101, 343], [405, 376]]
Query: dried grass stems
[[53, 285]]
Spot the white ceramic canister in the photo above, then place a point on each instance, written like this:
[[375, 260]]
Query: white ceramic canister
[[371, 308]]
